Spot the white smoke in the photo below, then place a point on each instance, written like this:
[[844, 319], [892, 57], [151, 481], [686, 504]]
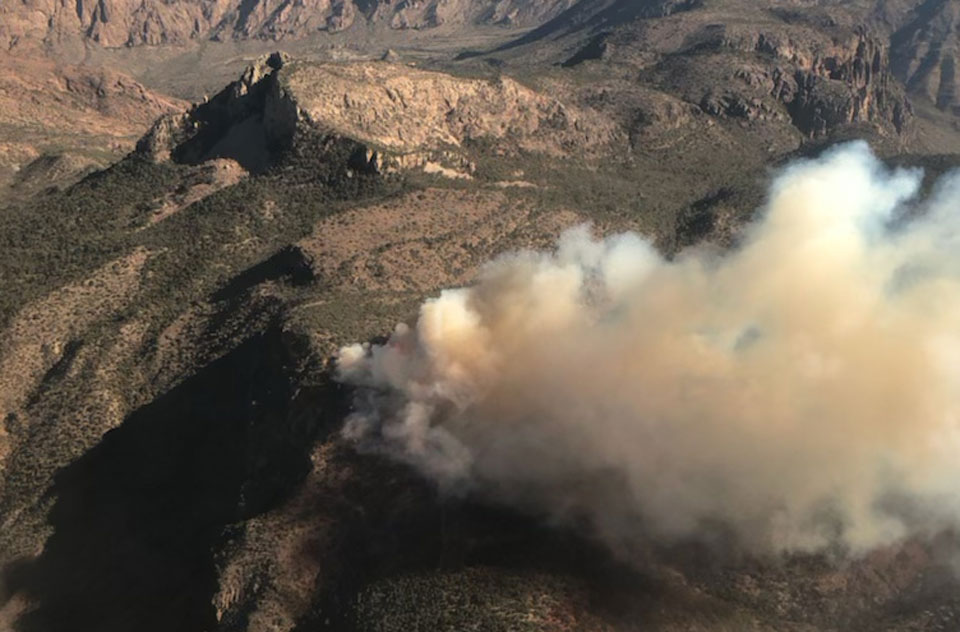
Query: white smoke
[[802, 390]]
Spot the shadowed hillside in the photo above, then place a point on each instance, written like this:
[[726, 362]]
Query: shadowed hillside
[[177, 280]]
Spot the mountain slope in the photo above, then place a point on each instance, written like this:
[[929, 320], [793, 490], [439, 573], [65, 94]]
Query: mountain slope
[[58, 120], [925, 52], [170, 447], [115, 23]]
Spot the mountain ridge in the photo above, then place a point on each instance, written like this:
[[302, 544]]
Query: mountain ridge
[[122, 23], [170, 315]]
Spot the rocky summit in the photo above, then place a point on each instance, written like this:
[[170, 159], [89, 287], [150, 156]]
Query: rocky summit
[[203, 201]]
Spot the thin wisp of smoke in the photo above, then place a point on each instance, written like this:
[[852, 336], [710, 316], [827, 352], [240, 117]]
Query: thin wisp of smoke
[[803, 389]]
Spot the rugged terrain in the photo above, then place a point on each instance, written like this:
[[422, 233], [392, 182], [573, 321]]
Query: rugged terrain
[[170, 455], [60, 120], [28, 22], [851, 61]]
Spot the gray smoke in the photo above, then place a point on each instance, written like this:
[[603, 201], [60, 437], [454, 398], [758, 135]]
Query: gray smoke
[[802, 390]]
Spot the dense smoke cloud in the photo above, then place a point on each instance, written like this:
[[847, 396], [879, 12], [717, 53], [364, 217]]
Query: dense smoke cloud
[[802, 390]]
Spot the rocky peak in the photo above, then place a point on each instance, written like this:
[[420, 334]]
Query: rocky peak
[[383, 116], [248, 121], [258, 71]]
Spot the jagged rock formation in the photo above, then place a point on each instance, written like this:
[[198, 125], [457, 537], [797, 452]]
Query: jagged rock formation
[[379, 116], [246, 122], [819, 73], [850, 83], [114, 23]]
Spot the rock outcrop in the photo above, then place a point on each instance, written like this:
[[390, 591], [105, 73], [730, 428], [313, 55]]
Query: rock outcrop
[[249, 121], [402, 110], [383, 117], [851, 83], [820, 72]]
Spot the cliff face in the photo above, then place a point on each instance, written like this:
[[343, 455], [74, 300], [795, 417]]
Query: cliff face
[[376, 117], [847, 83], [404, 110], [26, 22], [816, 72], [820, 87], [114, 23]]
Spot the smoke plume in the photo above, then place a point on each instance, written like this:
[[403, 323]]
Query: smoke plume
[[801, 390]]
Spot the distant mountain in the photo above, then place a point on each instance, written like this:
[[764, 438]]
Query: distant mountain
[[176, 279], [115, 23]]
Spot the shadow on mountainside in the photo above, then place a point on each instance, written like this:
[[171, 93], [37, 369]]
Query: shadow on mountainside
[[137, 517], [410, 548], [591, 15]]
